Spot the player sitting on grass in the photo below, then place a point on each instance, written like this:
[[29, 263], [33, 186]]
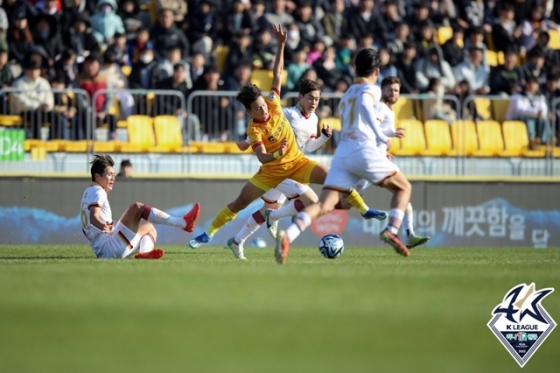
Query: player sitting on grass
[[110, 241], [304, 123], [357, 157], [274, 144]]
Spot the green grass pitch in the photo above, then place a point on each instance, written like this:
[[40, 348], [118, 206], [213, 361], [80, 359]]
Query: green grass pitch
[[61, 310]]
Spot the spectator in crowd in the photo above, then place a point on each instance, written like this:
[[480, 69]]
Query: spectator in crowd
[[105, 22], [344, 52], [67, 67], [293, 43], [311, 74], [15, 7], [80, 38], [240, 77], [20, 37], [310, 29], [327, 70], [472, 70], [551, 93], [335, 22], [74, 9], [363, 20], [535, 65], [278, 15], [420, 15], [165, 34], [296, 69], [453, 48], [442, 12], [256, 13], [402, 36], [237, 21], [179, 9], [218, 122], [6, 79], [141, 39], [197, 64], [551, 56], [164, 68], [240, 50], [91, 81], [64, 112], [391, 18], [126, 170], [505, 31], [434, 66], [142, 74], [386, 68], [406, 69], [462, 91], [427, 39], [530, 107], [117, 82], [264, 50], [202, 28], [476, 38], [34, 99], [472, 14], [434, 107], [4, 26], [133, 17], [506, 79], [531, 27], [51, 8], [47, 36], [120, 49]]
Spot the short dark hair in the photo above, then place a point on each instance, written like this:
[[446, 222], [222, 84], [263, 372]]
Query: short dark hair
[[531, 79], [126, 163], [178, 66], [367, 61], [248, 94], [389, 80], [99, 164], [307, 85]]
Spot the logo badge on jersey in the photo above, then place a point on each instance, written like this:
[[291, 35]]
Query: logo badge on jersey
[[271, 96], [521, 323], [271, 138]]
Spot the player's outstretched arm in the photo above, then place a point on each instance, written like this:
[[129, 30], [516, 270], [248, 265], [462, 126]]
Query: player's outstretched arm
[[367, 108], [281, 37], [265, 157]]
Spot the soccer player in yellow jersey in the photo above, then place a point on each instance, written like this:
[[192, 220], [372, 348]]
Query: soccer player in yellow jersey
[[274, 144]]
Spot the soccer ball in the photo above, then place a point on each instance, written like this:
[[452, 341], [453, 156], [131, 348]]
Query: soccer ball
[[331, 246]]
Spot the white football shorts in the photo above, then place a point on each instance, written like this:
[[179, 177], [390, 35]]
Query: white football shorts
[[120, 243], [287, 188]]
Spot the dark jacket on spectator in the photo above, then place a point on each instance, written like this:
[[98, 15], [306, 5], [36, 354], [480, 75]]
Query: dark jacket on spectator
[[452, 53], [229, 24], [81, 42], [407, 75], [142, 75], [235, 56], [330, 21], [19, 43], [170, 104], [358, 26], [502, 80], [134, 19], [162, 39], [52, 43]]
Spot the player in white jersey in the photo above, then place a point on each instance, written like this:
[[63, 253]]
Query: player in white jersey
[[357, 157], [127, 236], [390, 90], [304, 123]]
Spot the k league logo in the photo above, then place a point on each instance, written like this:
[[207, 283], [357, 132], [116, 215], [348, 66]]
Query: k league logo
[[521, 323]]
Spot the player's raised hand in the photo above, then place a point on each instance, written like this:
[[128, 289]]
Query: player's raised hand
[[326, 130], [280, 33], [399, 132], [242, 145], [283, 147]]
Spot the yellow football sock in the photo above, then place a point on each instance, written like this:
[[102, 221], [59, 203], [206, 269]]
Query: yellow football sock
[[223, 217], [356, 200]]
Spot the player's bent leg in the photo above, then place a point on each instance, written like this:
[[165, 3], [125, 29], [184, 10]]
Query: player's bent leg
[[249, 193], [147, 243], [401, 189], [326, 203], [319, 174], [292, 208], [137, 211], [412, 239]]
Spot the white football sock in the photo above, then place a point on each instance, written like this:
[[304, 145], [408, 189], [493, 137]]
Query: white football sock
[[395, 218], [253, 224], [156, 216], [290, 209], [300, 224], [408, 220], [147, 243]]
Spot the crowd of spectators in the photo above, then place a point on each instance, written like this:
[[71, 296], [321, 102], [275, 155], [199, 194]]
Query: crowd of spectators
[[171, 44]]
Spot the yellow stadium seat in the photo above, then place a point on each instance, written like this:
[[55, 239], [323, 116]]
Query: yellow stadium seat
[[444, 33], [222, 52], [104, 146], [332, 122], [190, 149], [76, 147], [10, 120], [491, 58], [127, 147], [126, 70], [554, 42], [483, 106], [499, 110], [29, 144], [49, 146], [168, 134], [464, 138], [490, 138], [404, 109], [516, 141], [501, 58], [210, 147], [263, 78], [414, 142], [122, 124], [490, 41], [438, 137], [231, 147], [140, 133]]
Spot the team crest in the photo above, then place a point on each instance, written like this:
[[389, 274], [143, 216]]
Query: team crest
[[271, 138], [521, 323]]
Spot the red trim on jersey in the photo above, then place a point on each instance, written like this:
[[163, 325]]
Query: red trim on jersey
[[306, 116], [94, 205], [146, 212], [256, 121], [257, 144], [314, 136], [275, 91]]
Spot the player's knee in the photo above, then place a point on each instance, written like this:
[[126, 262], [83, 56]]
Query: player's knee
[[136, 206]]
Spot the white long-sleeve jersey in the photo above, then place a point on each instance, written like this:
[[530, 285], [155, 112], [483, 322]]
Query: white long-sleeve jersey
[[359, 111], [386, 117], [94, 195]]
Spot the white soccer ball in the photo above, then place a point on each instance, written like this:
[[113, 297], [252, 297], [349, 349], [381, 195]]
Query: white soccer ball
[[331, 246]]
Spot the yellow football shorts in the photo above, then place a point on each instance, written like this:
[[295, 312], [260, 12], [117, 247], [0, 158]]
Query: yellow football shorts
[[300, 171]]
